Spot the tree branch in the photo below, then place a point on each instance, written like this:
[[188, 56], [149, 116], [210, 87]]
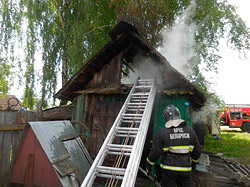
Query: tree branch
[[103, 26], [59, 14]]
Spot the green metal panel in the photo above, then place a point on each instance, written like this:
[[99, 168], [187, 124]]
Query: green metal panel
[[115, 98], [78, 112], [178, 100]]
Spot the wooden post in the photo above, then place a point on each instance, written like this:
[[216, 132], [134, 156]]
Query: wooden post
[[30, 171]]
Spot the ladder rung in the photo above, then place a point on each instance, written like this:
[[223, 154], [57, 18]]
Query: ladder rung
[[140, 94], [145, 80], [119, 149], [139, 107], [117, 153], [120, 146], [127, 128], [126, 131], [134, 110], [133, 115], [125, 135], [109, 176], [106, 168], [143, 86], [131, 121], [137, 103], [110, 170], [140, 99], [132, 118]]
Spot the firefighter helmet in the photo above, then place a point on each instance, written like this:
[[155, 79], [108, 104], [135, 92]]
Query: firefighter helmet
[[171, 112]]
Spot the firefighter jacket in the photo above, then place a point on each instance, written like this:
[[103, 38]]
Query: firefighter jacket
[[178, 145]]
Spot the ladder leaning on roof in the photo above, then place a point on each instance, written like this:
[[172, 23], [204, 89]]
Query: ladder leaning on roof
[[129, 130]]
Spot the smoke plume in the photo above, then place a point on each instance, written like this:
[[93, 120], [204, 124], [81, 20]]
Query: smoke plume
[[144, 69], [178, 41]]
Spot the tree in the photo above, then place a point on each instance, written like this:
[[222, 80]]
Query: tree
[[69, 32], [62, 30], [4, 77]]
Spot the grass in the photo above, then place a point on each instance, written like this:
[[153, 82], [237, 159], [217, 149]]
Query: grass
[[233, 144]]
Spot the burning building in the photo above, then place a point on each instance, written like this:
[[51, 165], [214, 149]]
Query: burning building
[[101, 86]]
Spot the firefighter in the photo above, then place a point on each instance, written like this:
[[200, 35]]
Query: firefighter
[[179, 147]]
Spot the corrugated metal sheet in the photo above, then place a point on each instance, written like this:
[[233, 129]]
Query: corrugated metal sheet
[[64, 149], [224, 171]]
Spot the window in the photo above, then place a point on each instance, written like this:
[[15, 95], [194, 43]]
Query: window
[[246, 115], [234, 115]]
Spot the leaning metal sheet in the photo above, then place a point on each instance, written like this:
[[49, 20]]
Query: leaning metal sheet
[[64, 149]]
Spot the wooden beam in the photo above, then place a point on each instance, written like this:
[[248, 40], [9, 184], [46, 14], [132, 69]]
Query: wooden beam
[[11, 127], [128, 65]]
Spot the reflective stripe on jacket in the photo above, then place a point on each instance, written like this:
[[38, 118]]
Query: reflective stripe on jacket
[[177, 146]]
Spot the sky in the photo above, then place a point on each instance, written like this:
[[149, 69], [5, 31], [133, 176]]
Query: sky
[[231, 83]]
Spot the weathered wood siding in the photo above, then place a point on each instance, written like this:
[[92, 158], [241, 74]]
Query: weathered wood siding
[[9, 139], [100, 114], [98, 111], [110, 76]]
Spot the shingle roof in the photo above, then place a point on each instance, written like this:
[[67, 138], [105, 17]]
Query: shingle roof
[[126, 39]]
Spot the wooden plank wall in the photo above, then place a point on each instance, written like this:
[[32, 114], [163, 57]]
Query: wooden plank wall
[[109, 76], [9, 139], [99, 116]]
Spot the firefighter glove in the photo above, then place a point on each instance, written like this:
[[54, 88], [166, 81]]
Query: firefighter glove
[[158, 174], [194, 165], [148, 168]]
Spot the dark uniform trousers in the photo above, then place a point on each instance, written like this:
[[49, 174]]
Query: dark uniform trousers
[[176, 178], [177, 146]]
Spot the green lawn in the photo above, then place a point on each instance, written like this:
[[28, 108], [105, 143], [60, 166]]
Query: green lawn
[[234, 144]]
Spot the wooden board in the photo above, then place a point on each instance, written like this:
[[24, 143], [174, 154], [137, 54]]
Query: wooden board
[[10, 136], [109, 76], [11, 127]]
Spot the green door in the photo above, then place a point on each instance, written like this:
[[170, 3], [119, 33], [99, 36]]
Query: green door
[[178, 100]]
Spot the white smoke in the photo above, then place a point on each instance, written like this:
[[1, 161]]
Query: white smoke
[[177, 48], [178, 41], [207, 114], [144, 69]]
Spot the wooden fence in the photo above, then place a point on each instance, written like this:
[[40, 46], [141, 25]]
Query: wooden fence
[[11, 128]]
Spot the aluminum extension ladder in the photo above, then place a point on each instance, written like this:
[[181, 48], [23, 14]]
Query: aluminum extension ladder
[[125, 140]]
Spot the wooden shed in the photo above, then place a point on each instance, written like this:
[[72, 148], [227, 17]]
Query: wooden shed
[[100, 87], [50, 154]]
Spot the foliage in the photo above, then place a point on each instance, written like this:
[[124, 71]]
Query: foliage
[[59, 29], [68, 33], [149, 17], [232, 145], [4, 77], [215, 20]]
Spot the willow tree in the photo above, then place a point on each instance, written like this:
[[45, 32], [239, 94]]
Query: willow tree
[[4, 77], [67, 33]]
